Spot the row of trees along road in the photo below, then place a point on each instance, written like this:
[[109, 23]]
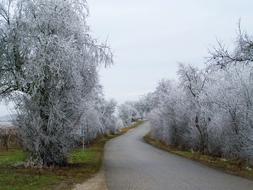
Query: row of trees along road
[[49, 69], [208, 110]]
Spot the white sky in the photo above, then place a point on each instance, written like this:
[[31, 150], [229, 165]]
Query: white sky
[[150, 37]]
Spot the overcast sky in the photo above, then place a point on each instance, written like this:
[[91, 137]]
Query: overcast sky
[[150, 37]]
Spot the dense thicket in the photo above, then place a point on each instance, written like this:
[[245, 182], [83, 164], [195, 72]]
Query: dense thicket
[[49, 68], [209, 110]]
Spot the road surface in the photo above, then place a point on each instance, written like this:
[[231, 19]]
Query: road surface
[[131, 164]]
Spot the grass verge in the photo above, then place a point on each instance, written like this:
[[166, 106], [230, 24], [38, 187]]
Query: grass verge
[[82, 166], [229, 166]]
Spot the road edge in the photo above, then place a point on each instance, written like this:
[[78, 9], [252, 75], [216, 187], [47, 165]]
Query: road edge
[[98, 181], [247, 174]]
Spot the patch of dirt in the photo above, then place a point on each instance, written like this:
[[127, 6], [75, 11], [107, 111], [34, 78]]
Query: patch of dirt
[[98, 182]]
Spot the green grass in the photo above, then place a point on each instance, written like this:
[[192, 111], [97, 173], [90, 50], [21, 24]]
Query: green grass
[[11, 157], [82, 157], [15, 180], [234, 167], [83, 164], [13, 176]]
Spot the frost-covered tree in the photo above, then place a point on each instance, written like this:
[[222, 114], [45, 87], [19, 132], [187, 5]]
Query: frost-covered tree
[[108, 117], [209, 110], [98, 118], [242, 53], [169, 117], [143, 105], [233, 71], [193, 81], [127, 113], [48, 67], [231, 95]]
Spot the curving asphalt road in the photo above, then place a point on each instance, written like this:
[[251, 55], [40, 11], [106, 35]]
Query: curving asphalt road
[[131, 164]]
